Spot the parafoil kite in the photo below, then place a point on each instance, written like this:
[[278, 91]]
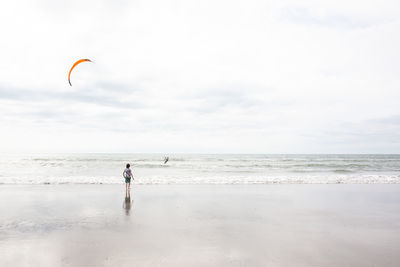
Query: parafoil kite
[[73, 66]]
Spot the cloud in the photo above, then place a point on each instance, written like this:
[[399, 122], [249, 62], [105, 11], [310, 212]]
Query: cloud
[[325, 18], [213, 76], [102, 94], [391, 120]]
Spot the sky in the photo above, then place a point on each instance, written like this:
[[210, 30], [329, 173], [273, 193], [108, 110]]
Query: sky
[[217, 76]]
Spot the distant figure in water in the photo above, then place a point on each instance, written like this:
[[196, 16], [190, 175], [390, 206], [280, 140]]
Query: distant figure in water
[[166, 159], [127, 202], [128, 175]]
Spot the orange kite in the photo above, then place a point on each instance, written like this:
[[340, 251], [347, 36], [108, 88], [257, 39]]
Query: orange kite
[[73, 66]]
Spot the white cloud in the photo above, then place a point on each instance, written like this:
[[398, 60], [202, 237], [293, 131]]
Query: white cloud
[[200, 76]]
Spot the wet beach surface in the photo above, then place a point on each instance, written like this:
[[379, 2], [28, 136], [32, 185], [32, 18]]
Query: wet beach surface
[[197, 225]]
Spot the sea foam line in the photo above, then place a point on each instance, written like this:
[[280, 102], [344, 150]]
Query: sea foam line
[[164, 180]]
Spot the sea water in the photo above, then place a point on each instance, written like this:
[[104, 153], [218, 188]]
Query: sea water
[[199, 169]]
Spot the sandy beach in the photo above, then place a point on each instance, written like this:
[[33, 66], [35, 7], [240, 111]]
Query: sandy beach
[[200, 225]]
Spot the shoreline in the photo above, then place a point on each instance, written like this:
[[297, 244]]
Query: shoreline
[[231, 182]]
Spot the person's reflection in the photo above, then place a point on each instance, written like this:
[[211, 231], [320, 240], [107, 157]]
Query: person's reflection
[[127, 202]]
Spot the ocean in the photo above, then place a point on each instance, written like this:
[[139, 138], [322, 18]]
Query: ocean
[[200, 169]]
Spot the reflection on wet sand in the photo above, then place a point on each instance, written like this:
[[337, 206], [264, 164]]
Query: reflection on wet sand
[[200, 225], [128, 203]]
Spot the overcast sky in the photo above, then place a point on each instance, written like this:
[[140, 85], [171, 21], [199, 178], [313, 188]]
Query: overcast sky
[[200, 76]]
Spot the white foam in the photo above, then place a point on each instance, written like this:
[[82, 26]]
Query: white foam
[[200, 169], [162, 180]]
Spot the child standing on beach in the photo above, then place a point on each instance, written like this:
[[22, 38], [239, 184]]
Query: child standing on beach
[[128, 175]]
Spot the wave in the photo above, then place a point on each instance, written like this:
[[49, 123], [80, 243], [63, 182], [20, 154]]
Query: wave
[[199, 169], [163, 180]]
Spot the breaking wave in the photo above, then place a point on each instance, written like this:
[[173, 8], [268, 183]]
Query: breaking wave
[[200, 169]]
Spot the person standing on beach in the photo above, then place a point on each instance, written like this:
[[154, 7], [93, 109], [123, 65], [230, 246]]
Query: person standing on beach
[[128, 175]]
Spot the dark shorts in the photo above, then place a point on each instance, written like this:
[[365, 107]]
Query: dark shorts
[[128, 180]]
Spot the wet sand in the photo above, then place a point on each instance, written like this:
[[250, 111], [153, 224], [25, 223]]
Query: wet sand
[[200, 225]]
